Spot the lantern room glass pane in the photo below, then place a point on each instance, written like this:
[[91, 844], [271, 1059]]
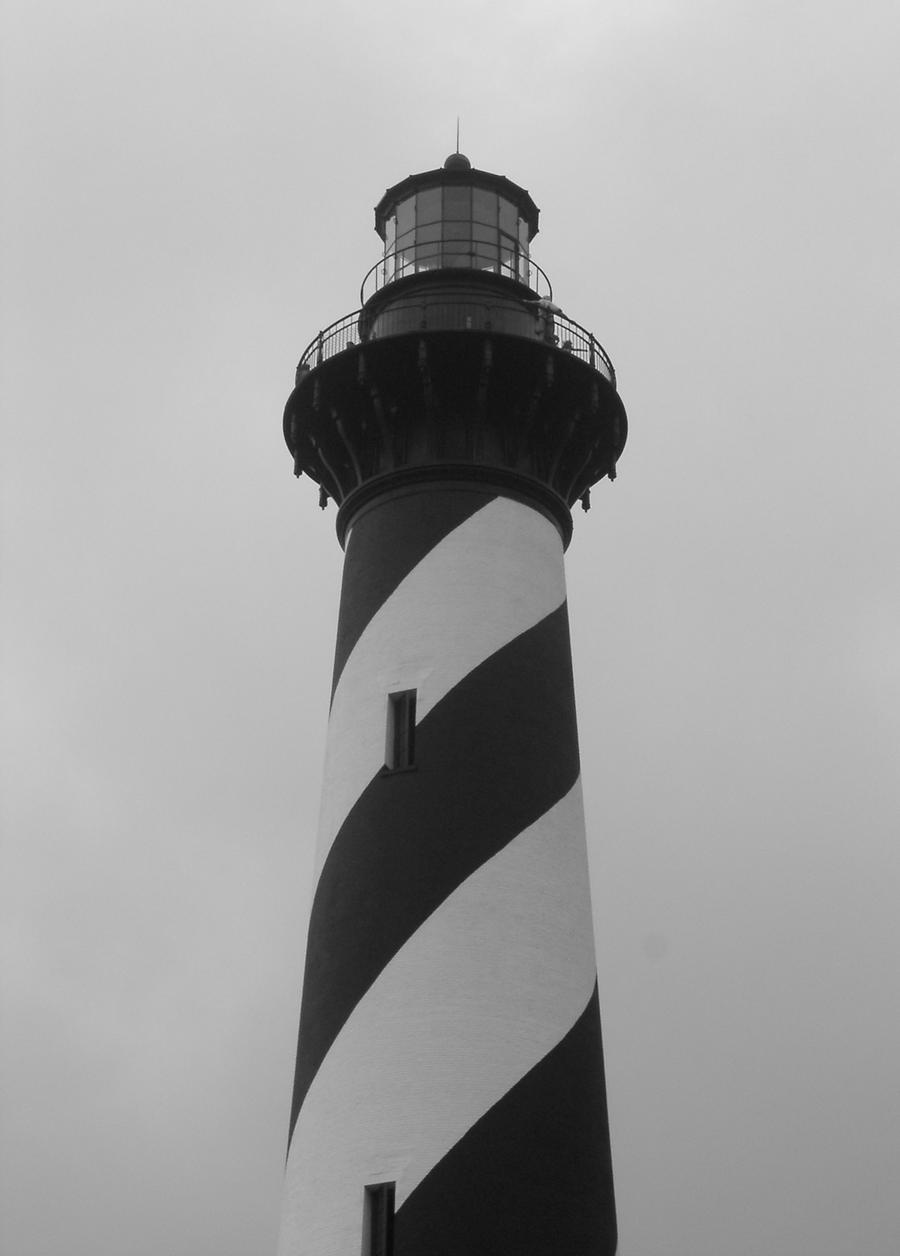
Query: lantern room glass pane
[[405, 257], [428, 256], [428, 207], [484, 206], [485, 255], [406, 217], [508, 217], [390, 236], [457, 202], [428, 245], [405, 242], [457, 253]]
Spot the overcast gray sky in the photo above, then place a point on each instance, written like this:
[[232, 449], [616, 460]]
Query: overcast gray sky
[[187, 198]]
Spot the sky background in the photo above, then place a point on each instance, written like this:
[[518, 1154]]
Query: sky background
[[187, 198]]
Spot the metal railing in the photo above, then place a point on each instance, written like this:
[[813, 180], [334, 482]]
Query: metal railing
[[529, 320], [341, 334], [420, 259]]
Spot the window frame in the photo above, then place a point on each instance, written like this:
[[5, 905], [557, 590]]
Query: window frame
[[378, 1219], [400, 733]]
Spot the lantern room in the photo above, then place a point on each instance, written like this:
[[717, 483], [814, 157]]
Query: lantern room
[[454, 218]]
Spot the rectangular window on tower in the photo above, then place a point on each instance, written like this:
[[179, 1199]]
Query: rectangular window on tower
[[378, 1220], [400, 743]]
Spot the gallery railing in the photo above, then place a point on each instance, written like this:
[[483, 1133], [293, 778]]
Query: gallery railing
[[528, 319], [478, 255]]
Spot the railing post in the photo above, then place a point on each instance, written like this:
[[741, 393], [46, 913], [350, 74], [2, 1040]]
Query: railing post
[[319, 350]]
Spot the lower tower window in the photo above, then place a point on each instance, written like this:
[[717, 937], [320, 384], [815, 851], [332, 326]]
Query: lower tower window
[[378, 1220], [400, 744]]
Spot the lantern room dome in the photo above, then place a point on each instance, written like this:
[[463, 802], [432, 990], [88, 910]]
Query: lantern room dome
[[457, 161]]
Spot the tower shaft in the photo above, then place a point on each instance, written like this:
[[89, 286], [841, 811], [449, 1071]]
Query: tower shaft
[[450, 1035]]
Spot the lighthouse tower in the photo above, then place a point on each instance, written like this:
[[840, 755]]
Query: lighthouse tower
[[449, 1097]]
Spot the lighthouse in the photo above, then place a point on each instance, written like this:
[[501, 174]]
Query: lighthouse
[[449, 1096]]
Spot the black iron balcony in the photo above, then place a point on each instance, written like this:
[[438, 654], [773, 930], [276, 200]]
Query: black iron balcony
[[466, 310]]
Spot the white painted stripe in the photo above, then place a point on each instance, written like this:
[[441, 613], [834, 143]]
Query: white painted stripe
[[490, 983], [491, 578]]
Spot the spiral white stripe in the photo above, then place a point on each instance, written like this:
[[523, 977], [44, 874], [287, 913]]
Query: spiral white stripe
[[491, 578], [490, 983]]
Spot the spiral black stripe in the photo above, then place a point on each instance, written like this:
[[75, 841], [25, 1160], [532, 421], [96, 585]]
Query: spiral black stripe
[[534, 1175], [492, 757], [397, 535]]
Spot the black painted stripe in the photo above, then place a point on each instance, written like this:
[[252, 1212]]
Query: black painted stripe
[[385, 544], [496, 753], [533, 1176]]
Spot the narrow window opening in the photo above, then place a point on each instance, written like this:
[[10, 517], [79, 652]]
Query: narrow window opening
[[400, 745], [378, 1220]]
